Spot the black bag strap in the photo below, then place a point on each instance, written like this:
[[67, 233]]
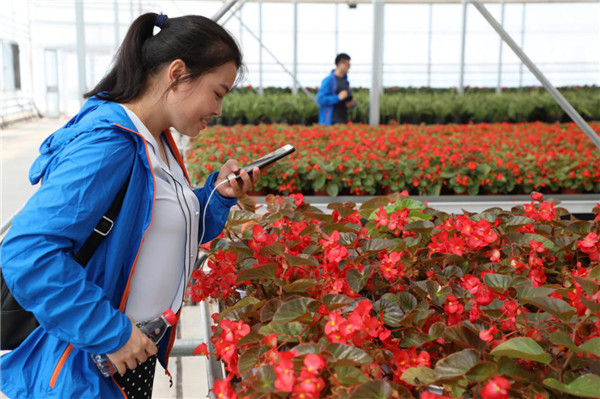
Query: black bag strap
[[102, 229]]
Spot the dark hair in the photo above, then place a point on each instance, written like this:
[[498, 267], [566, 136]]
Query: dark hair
[[341, 57], [198, 41]]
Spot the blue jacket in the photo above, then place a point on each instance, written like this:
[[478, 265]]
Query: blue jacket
[[83, 165], [327, 98]]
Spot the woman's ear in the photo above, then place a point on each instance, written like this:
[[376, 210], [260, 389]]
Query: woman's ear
[[175, 71]]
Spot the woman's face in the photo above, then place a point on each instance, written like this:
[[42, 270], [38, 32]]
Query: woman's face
[[192, 104]]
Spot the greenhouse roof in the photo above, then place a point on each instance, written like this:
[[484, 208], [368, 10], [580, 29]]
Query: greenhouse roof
[[419, 1]]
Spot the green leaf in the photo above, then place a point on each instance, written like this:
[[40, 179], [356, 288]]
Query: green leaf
[[518, 221], [292, 329], [333, 189], [377, 244], [300, 285], [525, 238], [356, 279], [456, 364], [305, 349], [563, 339], [580, 227], [554, 306], [273, 249], [414, 340], [350, 376], [495, 280], [267, 378], [522, 348], [268, 310], [408, 302], [436, 330], [267, 271], [587, 284], [591, 305], [481, 371], [251, 338], [585, 386], [372, 390], [347, 355], [464, 337], [418, 376], [591, 346], [239, 305], [250, 357], [292, 310], [301, 260], [336, 301], [420, 226], [237, 217], [392, 314]]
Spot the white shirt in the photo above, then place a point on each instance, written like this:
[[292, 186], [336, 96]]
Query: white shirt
[[170, 246]]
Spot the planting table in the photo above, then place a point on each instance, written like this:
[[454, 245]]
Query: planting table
[[580, 205]]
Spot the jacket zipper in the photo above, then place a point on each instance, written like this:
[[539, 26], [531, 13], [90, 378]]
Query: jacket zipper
[[60, 364]]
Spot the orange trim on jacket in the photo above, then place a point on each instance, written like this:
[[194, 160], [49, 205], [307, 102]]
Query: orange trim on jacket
[[128, 286], [60, 364], [175, 151]]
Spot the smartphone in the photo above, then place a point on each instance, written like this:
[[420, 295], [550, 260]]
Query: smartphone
[[265, 161]]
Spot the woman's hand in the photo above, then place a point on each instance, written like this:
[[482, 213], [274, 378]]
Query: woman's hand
[[236, 188], [135, 351]]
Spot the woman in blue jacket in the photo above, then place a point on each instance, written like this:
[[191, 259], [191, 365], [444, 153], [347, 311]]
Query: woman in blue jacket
[[175, 78]]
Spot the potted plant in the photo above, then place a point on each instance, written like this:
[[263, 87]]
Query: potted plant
[[397, 300]]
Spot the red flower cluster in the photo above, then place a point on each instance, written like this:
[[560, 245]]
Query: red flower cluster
[[590, 245], [333, 303], [358, 159], [307, 384], [357, 327], [461, 234], [219, 282], [225, 339], [497, 388]]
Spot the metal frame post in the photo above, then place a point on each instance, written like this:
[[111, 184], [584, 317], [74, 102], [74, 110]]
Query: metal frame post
[[337, 29], [295, 77], [522, 44], [564, 104], [375, 92], [461, 79], [499, 83], [429, 40], [262, 45], [260, 49], [223, 10], [116, 8], [80, 39]]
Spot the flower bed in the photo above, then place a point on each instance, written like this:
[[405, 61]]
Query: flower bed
[[394, 299], [359, 159]]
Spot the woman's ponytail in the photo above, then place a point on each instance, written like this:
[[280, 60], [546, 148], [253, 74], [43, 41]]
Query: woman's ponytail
[[201, 43], [128, 74]]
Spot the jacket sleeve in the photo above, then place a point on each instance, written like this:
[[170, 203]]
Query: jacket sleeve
[[326, 95], [217, 212], [37, 254]]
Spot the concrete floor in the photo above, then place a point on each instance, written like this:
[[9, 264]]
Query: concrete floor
[[19, 145]]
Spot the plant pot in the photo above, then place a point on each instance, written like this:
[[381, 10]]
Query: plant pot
[[569, 191], [257, 193]]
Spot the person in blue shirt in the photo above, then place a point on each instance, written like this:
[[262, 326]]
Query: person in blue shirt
[[334, 96], [176, 78]]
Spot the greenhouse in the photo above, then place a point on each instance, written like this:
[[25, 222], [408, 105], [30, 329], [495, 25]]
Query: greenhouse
[[362, 199]]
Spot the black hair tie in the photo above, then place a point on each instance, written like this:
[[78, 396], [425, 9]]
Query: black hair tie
[[160, 20]]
